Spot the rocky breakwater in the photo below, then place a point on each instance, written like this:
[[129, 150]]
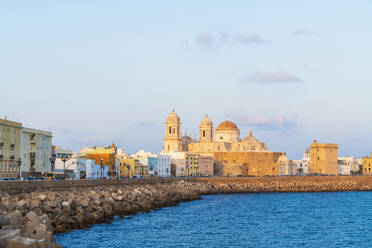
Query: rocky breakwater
[[285, 184], [29, 219]]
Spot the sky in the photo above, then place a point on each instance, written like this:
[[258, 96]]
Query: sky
[[93, 72]]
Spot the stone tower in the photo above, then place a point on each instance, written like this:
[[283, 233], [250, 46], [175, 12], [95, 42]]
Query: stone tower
[[206, 130], [173, 140], [323, 158]]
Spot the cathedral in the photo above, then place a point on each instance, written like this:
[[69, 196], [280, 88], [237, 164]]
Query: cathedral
[[233, 156], [225, 138]]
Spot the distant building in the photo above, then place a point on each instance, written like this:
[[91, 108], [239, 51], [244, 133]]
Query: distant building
[[127, 167], [88, 169], [286, 166], [177, 160], [105, 156], [303, 164], [62, 159], [206, 165], [346, 165], [192, 168], [323, 158], [10, 148], [367, 165], [36, 149], [164, 165]]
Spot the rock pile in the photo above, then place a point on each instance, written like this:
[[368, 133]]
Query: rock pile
[[29, 219]]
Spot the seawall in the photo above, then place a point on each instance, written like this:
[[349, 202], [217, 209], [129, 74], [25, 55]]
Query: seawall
[[32, 211]]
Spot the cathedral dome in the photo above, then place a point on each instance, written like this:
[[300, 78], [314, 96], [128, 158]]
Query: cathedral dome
[[227, 126], [173, 117], [250, 139], [206, 122]]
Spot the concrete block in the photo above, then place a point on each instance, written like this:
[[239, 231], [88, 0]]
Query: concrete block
[[6, 234], [20, 242]]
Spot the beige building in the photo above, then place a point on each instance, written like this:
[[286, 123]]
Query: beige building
[[286, 166], [323, 158], [10, 148], [206, 165], [36, 152]]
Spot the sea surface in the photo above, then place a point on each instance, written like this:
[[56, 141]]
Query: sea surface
[[242, 220]]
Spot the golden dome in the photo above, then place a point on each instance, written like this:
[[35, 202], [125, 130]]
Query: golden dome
[[227, 125]]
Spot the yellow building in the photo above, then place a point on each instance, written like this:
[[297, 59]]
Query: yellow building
[[10, 148], [323, 158], [367, 165], [192, 164], [105, 154], [127, 167]]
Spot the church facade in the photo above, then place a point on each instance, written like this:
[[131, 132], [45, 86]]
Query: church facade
[[233, 156]]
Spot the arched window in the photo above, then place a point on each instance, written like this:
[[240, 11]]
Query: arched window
[[203, 133], [170, 130]]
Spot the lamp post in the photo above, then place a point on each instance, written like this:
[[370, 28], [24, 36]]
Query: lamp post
[[52, 161], [64, 159], [19, 167], [101, 168], [128, 168]]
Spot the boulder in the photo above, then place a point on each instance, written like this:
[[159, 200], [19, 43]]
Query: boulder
[[4, 221]]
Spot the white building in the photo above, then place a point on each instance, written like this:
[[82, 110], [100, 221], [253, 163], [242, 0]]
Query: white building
[[164, 165], [347, 165], [302, 166], [36, 152], [178, 160], [88, 169]]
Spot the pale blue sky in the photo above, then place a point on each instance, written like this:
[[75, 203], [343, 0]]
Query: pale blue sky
[[96, 71]]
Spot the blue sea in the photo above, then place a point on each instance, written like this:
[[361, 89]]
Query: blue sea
[[242, 220]]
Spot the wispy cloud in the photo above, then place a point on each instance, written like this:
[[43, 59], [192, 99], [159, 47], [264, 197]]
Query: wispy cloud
[[272, 77], [305, 32], [278, 122], [146, 124], [250, 39], [205, 39], [224, 38]]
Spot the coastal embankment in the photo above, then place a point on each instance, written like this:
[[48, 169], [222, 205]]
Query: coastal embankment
[[30, 212]]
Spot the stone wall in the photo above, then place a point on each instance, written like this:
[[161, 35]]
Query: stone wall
[[30, 215], [248, 163]]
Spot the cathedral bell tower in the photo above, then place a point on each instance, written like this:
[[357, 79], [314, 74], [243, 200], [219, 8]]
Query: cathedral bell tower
[[206, 130], [173, 140]]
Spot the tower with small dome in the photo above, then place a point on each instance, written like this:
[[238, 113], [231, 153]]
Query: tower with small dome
[[206, 130], [173, 140]]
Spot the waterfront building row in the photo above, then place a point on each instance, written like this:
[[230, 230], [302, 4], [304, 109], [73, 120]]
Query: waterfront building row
[[23, 151]]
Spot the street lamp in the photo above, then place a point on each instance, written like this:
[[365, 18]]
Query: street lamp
[[101, 168], [19, 167], [128, 168], [64, 159], [52, 161]]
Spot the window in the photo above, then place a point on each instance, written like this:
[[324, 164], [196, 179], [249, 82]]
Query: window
[[170, 130], [203, 133]]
